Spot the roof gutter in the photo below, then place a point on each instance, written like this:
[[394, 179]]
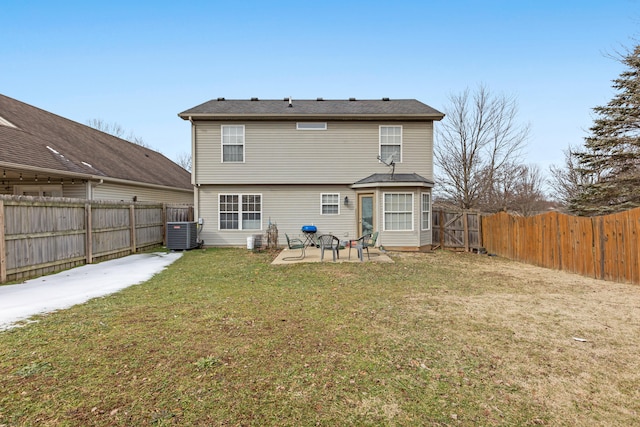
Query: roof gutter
[[393, 184], [368, 117], [21, 167], [193, 150]]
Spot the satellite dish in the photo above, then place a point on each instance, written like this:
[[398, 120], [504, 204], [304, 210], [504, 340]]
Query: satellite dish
[[389, 162]]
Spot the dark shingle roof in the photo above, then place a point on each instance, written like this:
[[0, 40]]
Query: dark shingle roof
[[44, 140], [398, 178], [406, 109]]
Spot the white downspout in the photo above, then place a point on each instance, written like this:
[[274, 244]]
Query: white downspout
[[196, 188]]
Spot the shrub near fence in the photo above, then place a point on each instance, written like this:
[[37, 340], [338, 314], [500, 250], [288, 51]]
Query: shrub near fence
[[44, 235], [603, 247]]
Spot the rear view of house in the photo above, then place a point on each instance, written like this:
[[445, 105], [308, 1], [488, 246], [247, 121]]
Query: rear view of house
[[346, 167]]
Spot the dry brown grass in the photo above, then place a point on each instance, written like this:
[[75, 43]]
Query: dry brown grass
[[569, 343]]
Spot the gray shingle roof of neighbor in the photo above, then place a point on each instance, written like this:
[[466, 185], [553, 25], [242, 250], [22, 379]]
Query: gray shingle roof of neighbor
[[42, 139], [397, 178], [406, 109]]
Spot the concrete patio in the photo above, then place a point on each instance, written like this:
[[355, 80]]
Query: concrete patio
[[312, 254]]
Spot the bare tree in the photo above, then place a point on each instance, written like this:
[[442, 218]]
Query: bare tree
[[184, 161], [529, 198], [567, 180], [118, 131], [478, 142]]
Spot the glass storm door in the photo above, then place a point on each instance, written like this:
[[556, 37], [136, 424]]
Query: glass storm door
[[366, 214]]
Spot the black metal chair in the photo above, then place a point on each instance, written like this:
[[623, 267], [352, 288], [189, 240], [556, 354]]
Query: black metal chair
[[329, 242], [363, 243], [294, 243]]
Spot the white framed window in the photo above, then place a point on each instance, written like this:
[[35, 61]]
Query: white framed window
[[232, 143], [48, 190], [425, 211], [391, 143], [311, 126], [330, 204], [398, 211], [240, 212]]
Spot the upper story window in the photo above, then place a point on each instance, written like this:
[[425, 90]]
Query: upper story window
[[311, 126], [398, 211], [232, 143], [330, 203], [391, 143]]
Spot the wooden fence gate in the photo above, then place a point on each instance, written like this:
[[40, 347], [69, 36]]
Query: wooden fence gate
[[457, 230]]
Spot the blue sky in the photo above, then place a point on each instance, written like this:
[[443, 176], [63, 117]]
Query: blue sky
[[139, 64]]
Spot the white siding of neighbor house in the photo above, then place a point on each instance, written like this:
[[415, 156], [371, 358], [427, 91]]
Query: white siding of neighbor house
[[288, 206], [75, 191], [277, 153], [110, 191]]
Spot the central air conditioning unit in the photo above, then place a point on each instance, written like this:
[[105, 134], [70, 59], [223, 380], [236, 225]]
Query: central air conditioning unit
[[182, 235]]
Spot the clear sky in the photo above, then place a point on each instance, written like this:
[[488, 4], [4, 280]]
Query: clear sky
[[140, 63]]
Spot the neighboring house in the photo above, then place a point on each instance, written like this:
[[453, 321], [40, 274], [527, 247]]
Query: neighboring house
[[42, 154], [313, 162]]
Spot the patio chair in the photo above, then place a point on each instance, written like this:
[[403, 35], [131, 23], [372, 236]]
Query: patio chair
[[363, 243], [295, 244], [329, 242]]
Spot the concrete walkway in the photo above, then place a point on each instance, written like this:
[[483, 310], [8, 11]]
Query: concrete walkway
[[77, 285]]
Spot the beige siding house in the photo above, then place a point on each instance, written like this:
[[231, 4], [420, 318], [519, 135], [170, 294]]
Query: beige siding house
[[42, 154], [346, 167]]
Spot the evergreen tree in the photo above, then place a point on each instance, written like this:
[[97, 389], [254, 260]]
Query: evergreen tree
[[612, 150]]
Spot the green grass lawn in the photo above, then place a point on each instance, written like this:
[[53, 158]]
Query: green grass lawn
[[222, 337]]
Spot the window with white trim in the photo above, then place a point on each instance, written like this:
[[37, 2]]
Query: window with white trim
[[391, 143], [398, 211], [330, 204], [240, 212], [232, 143], [38, 190], [425, 211], [311, 126]]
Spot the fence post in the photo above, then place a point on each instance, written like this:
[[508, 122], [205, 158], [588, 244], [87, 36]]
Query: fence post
[[89, 235], [480, 237], [132, 230], [465, 228], [3, 251], [164, 224], [442, 229]]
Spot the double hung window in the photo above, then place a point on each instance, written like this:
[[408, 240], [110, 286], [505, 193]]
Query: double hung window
[[232, 143], [426, 211], [391, 143], [240, 212], [398, 211], [330, 204]]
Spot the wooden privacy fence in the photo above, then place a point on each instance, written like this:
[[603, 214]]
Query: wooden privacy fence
[[43, 235], [457, 230], [603, 247]]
